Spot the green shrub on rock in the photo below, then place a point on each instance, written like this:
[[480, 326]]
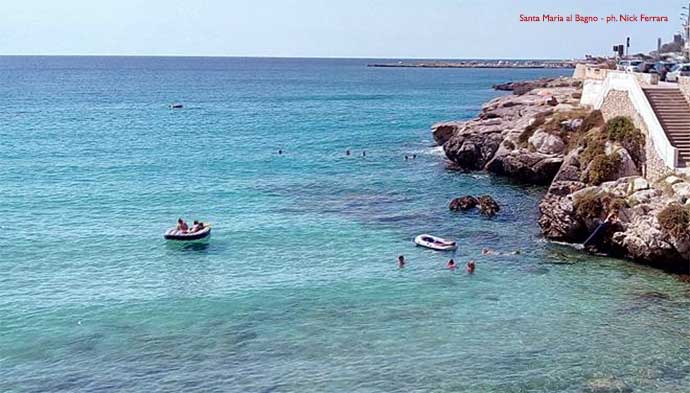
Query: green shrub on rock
[[594, 145], [675, 219], [622, 130], [595, 204], [588, 205], [619, 128], [593, 119], [603, 168]]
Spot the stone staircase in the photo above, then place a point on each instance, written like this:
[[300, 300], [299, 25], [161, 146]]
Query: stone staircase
[[673, 112]]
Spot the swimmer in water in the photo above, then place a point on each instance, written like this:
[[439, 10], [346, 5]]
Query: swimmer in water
[[347, 152], [364, 154], [401, 261], [414, 156], [470, 267], [451, 264], [280, 151], [406, 158]]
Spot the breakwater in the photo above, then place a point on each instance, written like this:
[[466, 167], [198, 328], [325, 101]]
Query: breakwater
[[480, 64]]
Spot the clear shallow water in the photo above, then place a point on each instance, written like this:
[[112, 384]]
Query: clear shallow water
[[298, 289]]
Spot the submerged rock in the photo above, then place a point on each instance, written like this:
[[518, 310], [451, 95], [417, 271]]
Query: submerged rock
[[608, 385]]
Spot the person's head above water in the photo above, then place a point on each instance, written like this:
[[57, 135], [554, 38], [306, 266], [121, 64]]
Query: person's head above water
[[470, 266]]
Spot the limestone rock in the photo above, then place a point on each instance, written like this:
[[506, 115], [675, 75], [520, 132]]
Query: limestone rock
[[682, 191], [442, 132], [547, 143], [471, 151], [671, 180], [488, 206], [463, 203]]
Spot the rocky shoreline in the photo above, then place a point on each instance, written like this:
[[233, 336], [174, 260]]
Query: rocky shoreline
[[542, 135]]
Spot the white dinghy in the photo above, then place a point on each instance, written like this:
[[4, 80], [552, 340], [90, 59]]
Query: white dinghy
[[435, 243]]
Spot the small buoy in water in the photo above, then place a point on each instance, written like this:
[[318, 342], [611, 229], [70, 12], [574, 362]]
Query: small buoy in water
[[79, 322], [176, 105]]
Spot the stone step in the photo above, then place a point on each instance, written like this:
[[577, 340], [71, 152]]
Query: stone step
[[673, 112], [671, 107]]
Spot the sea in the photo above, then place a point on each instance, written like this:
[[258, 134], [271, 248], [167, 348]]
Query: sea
[[298, 289]]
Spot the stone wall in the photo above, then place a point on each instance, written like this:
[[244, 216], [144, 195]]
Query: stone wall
[[617, 103]]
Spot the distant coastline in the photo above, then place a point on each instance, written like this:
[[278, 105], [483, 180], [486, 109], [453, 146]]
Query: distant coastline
[[481, 64]]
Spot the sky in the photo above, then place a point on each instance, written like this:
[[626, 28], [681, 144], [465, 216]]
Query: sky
[[322, 28]]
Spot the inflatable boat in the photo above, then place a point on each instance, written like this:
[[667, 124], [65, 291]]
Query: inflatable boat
[[435, 243], [202, 235]]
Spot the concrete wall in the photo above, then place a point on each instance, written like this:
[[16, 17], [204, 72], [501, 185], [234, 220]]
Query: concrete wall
[[618, 103], [590, 72], [684, 85]]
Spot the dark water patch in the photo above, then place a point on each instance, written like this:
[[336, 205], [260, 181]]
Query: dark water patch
[[653, 296], [538, 270], [242, 339], [270, 389], [187, 247], [673, 372], [399, 218], [643, 301]]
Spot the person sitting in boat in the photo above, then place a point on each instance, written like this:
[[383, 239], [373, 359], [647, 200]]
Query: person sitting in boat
[[470, 267], [198, 226], [451, 264], [182, 226]]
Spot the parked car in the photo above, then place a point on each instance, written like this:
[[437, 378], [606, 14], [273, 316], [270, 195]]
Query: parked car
[[662, 68], [631, 65], [678, 70]]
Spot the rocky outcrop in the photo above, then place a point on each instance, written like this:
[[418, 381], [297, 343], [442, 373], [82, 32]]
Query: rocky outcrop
[[442, 132], [486, 204], [524, 137], [572, 209], [463, 203], [523, 87], [542, 136]]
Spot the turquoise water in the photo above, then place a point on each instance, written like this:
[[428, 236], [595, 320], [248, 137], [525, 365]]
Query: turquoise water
[[298, 290]]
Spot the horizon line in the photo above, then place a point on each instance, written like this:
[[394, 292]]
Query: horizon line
[[284, 57]]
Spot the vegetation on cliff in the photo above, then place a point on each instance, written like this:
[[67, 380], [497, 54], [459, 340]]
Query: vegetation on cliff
[[675, 219], [605, 166]]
